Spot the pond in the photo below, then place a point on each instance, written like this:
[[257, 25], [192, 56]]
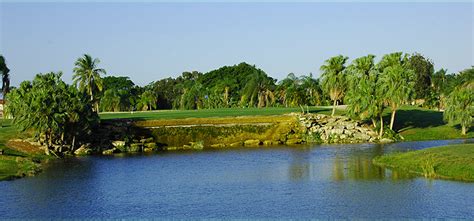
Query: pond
[[337, 181]]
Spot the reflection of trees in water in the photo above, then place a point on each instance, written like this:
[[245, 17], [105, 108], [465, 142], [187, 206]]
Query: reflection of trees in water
[[300, 165], [356, 164]]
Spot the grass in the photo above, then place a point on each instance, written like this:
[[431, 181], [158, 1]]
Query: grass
[[14, 163], [207, 113], [448, 162]]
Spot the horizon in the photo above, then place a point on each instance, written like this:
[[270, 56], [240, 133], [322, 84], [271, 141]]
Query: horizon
[[159, 40]]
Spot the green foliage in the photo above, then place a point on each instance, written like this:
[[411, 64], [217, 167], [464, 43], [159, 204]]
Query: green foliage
[[459, 106], [423, 69], [147, 101], [5, 76], [57, 112], [87, 75], [333, 78]]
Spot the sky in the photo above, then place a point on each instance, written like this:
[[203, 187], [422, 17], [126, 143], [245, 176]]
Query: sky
[[149, 41]]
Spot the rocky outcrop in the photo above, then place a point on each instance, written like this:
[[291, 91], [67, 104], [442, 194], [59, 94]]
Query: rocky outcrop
[[335, 129]]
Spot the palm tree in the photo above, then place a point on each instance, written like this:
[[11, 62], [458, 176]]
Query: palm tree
[[312, 90], [361, 95], [87, 75], [5, 76], [459, 106], [397, 82], [111, 101], [334, 81], [147, 101]]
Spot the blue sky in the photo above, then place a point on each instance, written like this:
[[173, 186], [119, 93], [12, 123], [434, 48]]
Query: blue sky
[[150, 41]]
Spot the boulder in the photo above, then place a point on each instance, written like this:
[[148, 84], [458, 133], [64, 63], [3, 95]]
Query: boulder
[[236, 144], [218, 145], [83, 150], [109, 151], [118, 143], [293, 141], [135, 147], [386, 140], [251, 142]]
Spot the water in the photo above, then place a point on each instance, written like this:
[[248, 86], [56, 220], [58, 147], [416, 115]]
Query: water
[[327, 181]]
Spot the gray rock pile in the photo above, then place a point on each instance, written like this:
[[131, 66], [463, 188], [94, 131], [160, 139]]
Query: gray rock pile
[[336, 129]]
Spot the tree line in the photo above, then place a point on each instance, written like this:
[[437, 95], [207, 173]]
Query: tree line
[[60, 113]]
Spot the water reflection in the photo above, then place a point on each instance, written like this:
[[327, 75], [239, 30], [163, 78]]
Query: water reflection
[[299, 167]]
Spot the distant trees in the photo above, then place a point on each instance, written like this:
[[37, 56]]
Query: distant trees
[[333, 79], [88, 76], [58, 113]]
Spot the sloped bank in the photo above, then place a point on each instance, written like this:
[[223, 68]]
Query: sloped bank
[[199, 133]]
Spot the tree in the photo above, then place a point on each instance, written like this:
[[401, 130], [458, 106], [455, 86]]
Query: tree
[[111, 100], [57, 112], [396, 81], [147, 101], [312, 90], [361, 92], [5, 76], [333, 79], [459, 106], [87, 75], [423, 69], [258, 91]]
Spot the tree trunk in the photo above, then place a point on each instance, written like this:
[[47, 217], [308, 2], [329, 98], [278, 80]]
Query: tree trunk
[[392, 119], [73, 142], [374, 123], [381, 126], [463, 129], [334, 107]]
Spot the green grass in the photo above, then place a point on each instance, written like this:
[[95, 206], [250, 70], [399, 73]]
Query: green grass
[[415, 123], [206, 113], [449, 162], [14, 163]]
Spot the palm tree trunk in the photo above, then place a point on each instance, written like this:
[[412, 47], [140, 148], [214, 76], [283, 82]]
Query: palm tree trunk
[[381, 126], [463, 129], [334, 107], [392, 119], [374, 123]]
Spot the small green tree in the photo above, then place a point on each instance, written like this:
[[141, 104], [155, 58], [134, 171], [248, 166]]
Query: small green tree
[[334, 80], [459, 106], [111, 100]]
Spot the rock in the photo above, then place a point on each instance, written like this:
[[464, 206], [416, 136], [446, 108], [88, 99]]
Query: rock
[[118, 143], [150, 145], [269, 142], [361, 136], [236, 144], [1, 151], [386, 140], [218, 145], [135, 147], [83, 150], [147, 149], [293, 141], [251, 142], [197, 145], [147, 140], [109, 151]]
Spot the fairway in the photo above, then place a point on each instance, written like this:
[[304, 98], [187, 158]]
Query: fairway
[[206, 113]]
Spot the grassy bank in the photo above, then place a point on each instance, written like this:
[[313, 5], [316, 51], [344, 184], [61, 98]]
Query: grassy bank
[[413, 123], [449, 162], [15, 163]]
